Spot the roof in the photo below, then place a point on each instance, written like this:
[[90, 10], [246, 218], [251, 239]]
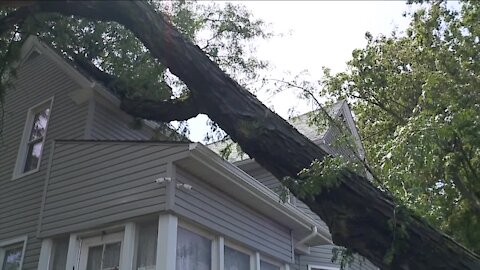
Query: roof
[[311, 124], [305, 123]]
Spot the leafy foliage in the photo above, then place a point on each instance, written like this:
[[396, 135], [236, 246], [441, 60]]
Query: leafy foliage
[[224, 32], [416, 99]]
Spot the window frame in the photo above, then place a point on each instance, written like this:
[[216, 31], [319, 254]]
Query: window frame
[[18, 171], [103, 240], [270, 261], [241, 249], [22, 240], [195, 229]]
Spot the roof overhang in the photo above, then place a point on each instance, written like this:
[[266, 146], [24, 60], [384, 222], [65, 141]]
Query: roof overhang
[[211, 168]]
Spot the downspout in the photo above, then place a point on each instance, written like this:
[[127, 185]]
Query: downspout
[[308, 237]]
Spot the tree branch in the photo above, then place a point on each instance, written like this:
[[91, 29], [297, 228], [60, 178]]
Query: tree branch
[[164, 111], [358, 214], [179, 109], [467, 194]]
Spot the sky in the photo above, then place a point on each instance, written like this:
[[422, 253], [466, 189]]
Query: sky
[[314, 34]]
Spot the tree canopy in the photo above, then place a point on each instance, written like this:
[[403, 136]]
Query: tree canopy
[[360, 216], [416, 99], [224, 32]]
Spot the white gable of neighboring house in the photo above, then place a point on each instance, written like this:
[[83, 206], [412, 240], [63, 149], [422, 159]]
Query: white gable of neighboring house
[[323, 135]]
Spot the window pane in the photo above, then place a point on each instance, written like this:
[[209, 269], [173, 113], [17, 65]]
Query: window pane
[[33, 156], [236, 260], [12, 258], [94, 261], [268, 266], [194, 252], [111, 256], [147, 245], [40, 121], [60, 248]]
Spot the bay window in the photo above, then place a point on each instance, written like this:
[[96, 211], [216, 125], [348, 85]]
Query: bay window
[[144, 245]]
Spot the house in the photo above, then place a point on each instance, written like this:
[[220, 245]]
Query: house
[[82, 189]]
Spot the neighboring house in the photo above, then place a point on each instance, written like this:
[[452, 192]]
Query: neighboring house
[[81, 189]]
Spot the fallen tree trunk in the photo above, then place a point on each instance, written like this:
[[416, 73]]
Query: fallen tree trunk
[[359, 216]]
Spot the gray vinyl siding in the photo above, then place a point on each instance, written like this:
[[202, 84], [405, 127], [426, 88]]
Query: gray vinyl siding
[[93, 184], [335, 146], [322, 256], [115, 125], [270, 181], [216, 211], [38, 79], [266, 178]]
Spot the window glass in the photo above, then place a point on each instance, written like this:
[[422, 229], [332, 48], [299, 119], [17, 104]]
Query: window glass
[[36, 137], [12, 258], [39, 124], [95, 258], [60, 249], [104, 257], [194, 252], [236, 260], [268, 266], [147, 245], [111, 256]]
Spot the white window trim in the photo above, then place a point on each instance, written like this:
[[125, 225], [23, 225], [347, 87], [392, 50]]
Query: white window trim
[[19, 240], [100, 240], [320, 267], [22, 150], [78, 240]]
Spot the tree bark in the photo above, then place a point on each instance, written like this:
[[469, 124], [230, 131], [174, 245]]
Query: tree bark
[[359, 215]]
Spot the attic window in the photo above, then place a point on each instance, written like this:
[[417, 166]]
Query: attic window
[[33, 139]]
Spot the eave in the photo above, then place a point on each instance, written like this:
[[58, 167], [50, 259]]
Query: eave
[[227, 177]]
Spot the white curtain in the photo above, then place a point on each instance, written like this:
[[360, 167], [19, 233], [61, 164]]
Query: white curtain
[[94, 261], [194, 252], [147, 245], [60, 249], [111, 256], [236, 260]]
